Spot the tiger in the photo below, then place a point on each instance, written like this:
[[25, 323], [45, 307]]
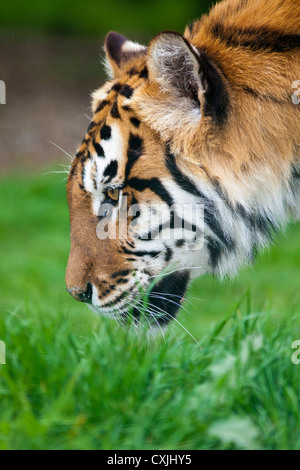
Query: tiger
[[208, 119]]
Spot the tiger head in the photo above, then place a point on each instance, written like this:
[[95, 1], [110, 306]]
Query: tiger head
[[126, 166], [165, 185]]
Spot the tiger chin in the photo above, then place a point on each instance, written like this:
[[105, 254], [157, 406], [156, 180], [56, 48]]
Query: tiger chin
[[196, 139]]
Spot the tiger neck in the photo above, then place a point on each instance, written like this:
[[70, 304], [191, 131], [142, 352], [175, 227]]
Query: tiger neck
[[236, 230]]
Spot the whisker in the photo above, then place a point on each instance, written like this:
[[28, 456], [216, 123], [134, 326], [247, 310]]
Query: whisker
[[183, 268], [157, 313], [154, 311], [142, 314], [175, 319], [60, 148], [66, 167], [171, 295], [153, 316], [85, 113], [56, 172], [168, 300]]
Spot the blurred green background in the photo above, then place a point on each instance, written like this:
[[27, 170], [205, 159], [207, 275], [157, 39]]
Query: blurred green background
[[96, 17]]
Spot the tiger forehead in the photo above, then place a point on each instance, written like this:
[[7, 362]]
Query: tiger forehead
[[112, 104], [111, 110], [124, 87], [118, 145]]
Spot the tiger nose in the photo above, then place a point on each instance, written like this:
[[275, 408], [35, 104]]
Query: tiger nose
[[81, 295]]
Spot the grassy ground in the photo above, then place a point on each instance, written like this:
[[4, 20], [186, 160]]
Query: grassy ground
[[73, 380]]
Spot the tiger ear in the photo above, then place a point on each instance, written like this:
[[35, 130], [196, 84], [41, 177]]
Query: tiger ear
[[183, 71], [119, 51]]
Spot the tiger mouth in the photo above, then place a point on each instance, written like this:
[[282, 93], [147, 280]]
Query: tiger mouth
[[161, 306], [164, 299]]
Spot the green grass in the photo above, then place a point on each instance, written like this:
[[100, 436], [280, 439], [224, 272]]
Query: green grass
[[74, 380]]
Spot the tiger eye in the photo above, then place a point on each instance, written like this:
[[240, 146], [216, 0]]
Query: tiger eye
[[113, 194]]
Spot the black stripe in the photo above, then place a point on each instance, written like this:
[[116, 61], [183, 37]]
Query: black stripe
[[123, 273], [257, 222], [144, 73], [170, 224], [118, 299], [102, 105], [183, 181], [135, 150], [116, 87], [73, 170], [216, 102], [122, 281], [94, 179], [111, 170], [175, 284], [154, 185], [126, 91], [82, 174], [130, 244], [99, 149], [210, 209], [126, 108], [91, 126], [295, 173], [133, 71], [136, 122], [260, 96], [295, 180], [215, 251], [140, 253], [168, 254], [108, 291], [153, 233], [85, 156], [105, 132], [262, 39], [115, 111]]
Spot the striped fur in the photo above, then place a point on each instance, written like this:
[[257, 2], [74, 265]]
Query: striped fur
[[204, 118]]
